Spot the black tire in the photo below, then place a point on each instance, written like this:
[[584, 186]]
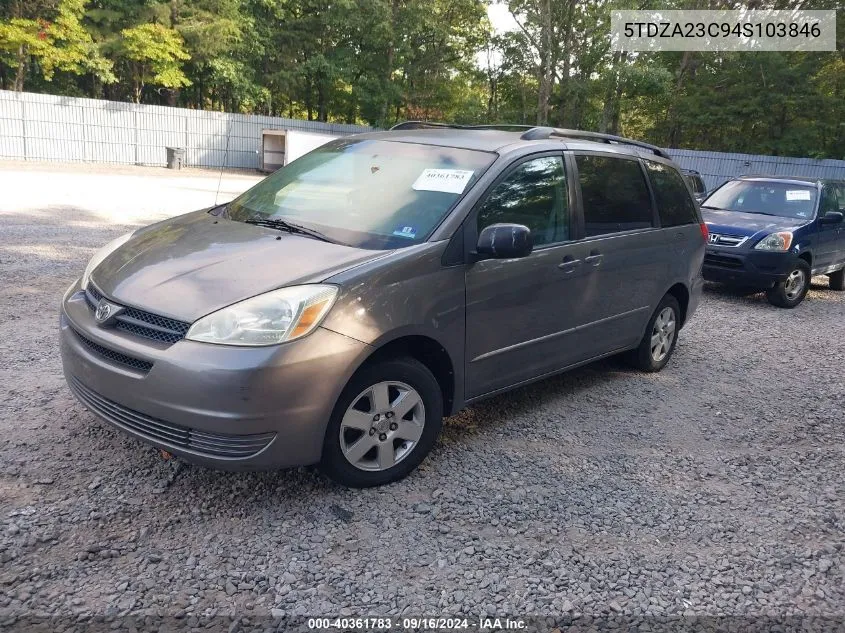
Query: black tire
[[642, 357], [783, 296], [405, 370], [837, 280]]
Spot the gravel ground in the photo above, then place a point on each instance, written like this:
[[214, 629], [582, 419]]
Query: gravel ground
[[713, 488]]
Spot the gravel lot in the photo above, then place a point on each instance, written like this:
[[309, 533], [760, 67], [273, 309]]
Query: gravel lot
[[713, 488]]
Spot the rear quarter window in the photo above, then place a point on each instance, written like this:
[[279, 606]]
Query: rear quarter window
[[674, 202]]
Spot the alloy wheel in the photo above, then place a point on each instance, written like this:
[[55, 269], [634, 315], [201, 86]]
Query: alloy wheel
[[382, 426], [794, 284], [662, 334]]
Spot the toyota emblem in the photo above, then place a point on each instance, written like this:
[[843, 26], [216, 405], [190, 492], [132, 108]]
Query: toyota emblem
[[104, 311]]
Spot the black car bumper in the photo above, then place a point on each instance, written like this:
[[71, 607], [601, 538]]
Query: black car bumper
[[747, 268]]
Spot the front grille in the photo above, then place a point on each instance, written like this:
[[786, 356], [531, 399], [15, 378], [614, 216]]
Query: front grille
[[724, 261], [115, 357], [140, 323], [160, 432], [717, 239]]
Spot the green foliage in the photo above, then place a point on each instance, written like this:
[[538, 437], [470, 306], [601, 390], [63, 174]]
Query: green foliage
[[154, 54], [380, 61], [58, 42]]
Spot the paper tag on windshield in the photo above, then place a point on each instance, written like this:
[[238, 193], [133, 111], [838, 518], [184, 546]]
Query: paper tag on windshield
[[445, 180], [797, 194]]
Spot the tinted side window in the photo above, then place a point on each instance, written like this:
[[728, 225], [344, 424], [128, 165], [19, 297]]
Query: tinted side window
[[674, 204], [535, 195], [840, 191], [614, 193]]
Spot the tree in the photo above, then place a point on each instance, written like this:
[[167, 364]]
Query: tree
[[56, 44], [154, 55]]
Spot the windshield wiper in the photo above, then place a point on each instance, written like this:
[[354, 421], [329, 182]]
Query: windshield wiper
[[282, 225]]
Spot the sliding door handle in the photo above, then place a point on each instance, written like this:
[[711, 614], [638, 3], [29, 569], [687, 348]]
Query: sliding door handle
[[569, 265], [594, 259]]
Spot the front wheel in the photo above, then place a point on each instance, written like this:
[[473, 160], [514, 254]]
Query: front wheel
[[792, 290], [660, 338], [384, 424]]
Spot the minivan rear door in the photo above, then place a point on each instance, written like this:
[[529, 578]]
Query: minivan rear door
[[627, 258]]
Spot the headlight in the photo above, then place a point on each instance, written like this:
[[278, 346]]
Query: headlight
[[775, 242], [100, 255], [268, 319]]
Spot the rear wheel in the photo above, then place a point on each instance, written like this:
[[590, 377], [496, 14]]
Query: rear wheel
[[660, 338], [792, 290], [837, 280], [383, 425]]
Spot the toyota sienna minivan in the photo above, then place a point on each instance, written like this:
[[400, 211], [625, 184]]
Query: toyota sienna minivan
[[338, 310]]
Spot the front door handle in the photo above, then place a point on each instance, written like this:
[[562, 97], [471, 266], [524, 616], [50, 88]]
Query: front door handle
[[594, 259], [568, 265]]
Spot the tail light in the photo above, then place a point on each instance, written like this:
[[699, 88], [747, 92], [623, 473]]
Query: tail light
[[705, 232]]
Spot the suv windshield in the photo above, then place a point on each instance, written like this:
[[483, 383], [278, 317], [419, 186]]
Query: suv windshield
[[365, 193], [787, 200]]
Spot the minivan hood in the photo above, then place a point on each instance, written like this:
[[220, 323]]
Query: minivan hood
[[194, 264], [747, 224]]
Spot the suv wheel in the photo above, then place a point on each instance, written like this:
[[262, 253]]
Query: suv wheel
[[660, 338], [383, 425], [790, 292], [837, 280]]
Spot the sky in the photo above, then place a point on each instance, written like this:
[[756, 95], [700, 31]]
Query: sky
[[501, 18], [502, 22]]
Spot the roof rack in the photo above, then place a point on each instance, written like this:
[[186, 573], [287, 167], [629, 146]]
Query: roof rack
[[427, 125], [538, 133], [534, 133]]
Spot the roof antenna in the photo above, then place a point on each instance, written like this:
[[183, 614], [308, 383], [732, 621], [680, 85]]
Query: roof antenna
[[225, 159]]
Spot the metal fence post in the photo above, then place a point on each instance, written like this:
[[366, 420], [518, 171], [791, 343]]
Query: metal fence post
[[135, 125], [23, 127], [84, 133]]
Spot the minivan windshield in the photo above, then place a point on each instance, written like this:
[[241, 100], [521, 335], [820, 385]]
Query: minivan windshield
[[365, 193], [784, 199]]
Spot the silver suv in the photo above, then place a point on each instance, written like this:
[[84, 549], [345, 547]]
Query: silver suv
[[338, 310]]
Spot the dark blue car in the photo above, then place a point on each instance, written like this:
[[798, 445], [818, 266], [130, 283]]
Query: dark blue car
[[775, 233]]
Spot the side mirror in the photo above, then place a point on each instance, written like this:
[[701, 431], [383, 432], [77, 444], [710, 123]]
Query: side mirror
[[832, 217], [505, 241]]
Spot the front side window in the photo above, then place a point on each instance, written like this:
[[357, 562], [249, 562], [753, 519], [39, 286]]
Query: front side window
[[366, 193], [829, 200], [765, 197], [674, 204], [614, 193], [534, 195]]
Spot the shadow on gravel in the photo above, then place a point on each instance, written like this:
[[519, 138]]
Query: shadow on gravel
[[493, 413], [754, 297]]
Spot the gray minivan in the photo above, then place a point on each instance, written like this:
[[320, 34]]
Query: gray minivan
[[337, 311]]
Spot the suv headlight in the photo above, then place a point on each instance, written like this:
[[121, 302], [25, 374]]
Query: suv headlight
[[268, 319], [101, 254], [775, 242]]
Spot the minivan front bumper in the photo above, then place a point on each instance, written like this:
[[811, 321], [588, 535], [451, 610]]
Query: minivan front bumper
[[760, 269], [233, 408]]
